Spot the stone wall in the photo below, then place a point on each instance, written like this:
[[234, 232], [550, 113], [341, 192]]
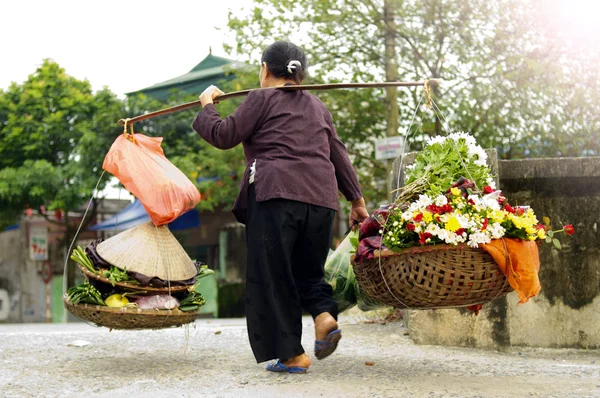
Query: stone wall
[[567, 311], [20, 279]]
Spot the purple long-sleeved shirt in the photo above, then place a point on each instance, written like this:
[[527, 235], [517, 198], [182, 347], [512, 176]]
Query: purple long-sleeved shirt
[[298, 153]]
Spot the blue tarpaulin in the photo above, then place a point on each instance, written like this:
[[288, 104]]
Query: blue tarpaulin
[[135, 214]]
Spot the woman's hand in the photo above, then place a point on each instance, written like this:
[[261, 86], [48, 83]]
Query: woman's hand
[[358, 213], [209, 95]]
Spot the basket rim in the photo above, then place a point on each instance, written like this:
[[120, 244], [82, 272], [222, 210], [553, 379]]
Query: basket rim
[[131, 310], [100, 278], [420, 249]]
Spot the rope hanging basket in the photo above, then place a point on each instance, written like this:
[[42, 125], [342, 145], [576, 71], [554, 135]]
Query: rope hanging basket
[[130, 317], [440, 276]]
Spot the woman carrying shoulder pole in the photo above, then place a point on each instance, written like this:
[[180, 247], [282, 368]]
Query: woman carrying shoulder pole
[[289, 194]]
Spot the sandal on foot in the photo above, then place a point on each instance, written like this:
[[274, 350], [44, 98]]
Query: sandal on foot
[[281, 368], [324, 348]]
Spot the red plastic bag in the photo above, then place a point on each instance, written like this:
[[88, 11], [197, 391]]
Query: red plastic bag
[[140, 164]]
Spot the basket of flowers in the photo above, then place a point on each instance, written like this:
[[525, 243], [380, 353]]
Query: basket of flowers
[[451, 239]]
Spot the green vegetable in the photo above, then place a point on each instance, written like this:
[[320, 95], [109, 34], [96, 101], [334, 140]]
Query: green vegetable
[[115, 274], [189, 308], [85, 293], [82, 259], [202, 272], [194, 298]]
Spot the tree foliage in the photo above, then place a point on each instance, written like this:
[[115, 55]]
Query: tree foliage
[[54, 133], [507, 78]]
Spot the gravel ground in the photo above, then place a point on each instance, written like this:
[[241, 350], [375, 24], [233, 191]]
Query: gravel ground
[[212, 358]]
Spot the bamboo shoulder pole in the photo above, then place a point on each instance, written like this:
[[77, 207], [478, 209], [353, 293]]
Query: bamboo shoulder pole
[[234, 94]]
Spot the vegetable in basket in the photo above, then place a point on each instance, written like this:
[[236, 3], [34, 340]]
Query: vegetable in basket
[[85, 293], [82, 259], [192, 302]]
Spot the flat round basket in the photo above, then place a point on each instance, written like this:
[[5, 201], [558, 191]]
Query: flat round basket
[[132, 287], [130, 318], [440, 276]]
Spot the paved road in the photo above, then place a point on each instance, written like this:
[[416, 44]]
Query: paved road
[[213, 359]]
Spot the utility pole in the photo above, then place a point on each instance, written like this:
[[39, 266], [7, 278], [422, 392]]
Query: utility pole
[[391, 74], [391, 67]]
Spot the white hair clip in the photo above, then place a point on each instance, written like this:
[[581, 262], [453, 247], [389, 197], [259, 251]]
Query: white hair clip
[[292, 65]]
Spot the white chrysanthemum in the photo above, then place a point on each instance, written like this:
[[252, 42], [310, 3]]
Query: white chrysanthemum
[[407, 215], [478, 154], [496, 230], [424, 201], [476, 200], [478, 238], [491, 182], [443, 235], [464, 221], [433, 229], [490, 202], [438, 139], [441, 200], [469, 139]]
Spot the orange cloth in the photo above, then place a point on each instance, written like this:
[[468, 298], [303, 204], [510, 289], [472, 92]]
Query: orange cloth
[[141, 166], [523, 264]]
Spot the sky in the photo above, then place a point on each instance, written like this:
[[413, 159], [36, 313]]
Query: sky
[[126, 45]]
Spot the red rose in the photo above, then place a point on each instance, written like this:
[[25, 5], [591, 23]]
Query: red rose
[[423, 236], [569, 229], [460, 231], [501, 199], [446, 208], [520, 211], [471, 202], [487, 189], [485, 224], [410, 227], [540, 226], [418, 217], [438, 219], [509, 208], [433, 208]]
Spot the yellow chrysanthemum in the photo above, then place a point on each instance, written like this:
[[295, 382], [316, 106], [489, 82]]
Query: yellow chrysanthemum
[[530, 230], [455, 191], [498, 215], [452, 224], [541, 233], [427, 216]]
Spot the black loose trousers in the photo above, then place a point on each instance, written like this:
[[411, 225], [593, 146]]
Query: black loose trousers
[[288, 242]]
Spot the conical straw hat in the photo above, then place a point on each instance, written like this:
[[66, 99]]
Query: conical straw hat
[[149, 250]]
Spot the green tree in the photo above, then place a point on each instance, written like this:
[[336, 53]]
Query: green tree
[[507, 80], [54, 133]]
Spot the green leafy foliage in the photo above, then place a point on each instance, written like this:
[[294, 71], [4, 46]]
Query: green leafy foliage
[[507, 77], [54, 133]]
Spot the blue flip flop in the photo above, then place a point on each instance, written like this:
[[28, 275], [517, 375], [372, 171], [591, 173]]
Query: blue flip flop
[[324, 348], [281, 368]]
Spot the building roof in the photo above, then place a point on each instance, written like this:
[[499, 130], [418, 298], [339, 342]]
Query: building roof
[[211, 70]]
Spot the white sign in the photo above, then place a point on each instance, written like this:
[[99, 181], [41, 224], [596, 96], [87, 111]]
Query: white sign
[[38, 243], [389, 148]]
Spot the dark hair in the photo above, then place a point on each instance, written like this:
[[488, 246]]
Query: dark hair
[[278, 57]]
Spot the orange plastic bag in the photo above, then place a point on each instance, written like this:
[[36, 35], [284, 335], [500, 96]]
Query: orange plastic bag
[[139, 162]]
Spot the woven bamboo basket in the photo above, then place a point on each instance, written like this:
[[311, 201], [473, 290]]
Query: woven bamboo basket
[[132, 287], [130, 317], [440, 276]]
